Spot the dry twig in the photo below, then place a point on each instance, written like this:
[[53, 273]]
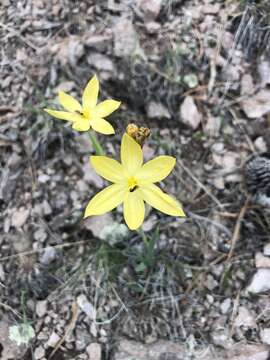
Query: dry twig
[[237, 228], [200, 184], [69, 328]]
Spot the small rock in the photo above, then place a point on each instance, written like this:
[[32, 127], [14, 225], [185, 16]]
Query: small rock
[[227, 40], [53, 339], [84, 143], [221, 337], [14, 160], [245, 319], [151, 8], [265, 336], [40, 235], [48, 255], [260, 281], [43, 209], [191, 80], [94, 351], [75, 50], [96, 224], [210, 299], [82, 338], [225, 306], [260, 144], [148, 152], [86, 306], [98, 42], [2, 273], [264, 71], [247, 85], [65, 86], [69, 49], [237, 59], [125, 38], [149, 223], [157, 111], [129, 350], [152, 27], [19, 217], [210, 283], [211, 8], [213, 125], [101, 62], [22, 244], [190, 115], [238, 351], [233, 73], [230, 161], [41, 308], [93, 329], [257, 105], [219, 182], [262, 261], [39, 353], [218, 148], [82, 186], [91, 177], [47, 210], [266, 249]]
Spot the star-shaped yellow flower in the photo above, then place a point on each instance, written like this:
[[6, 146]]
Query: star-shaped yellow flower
[[89, 114], [133, 184]]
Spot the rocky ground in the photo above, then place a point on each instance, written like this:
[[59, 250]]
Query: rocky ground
[[198, 74]]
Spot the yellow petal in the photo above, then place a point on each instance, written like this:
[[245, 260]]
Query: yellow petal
[[108, 168], [105, 200], [64, 115], [134, 210], [102, 126], [81, 124], [105, 108], [155, 197], [90, 94], [131, 154], [68, 102], [156, 169]]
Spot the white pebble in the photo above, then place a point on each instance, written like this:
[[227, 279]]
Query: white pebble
[[260, 281]]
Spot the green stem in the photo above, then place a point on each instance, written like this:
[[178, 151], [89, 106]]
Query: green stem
[[144, 237], [96, 144], [23, 306]]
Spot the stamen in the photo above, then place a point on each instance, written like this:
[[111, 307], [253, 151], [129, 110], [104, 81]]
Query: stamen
[[132, 184]]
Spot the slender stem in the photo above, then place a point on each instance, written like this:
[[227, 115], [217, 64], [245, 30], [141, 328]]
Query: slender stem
[[23, 306], [96, 144], [144, 237]]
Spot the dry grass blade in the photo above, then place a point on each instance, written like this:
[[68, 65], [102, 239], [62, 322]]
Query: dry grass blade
[[9, 308], [17, 33], [31, 252], [69, 328], [234, 311], [213, 62], [237, 228], [200, 184]]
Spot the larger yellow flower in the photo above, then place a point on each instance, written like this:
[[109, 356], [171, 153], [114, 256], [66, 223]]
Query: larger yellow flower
[[89, 114], [133, 184]]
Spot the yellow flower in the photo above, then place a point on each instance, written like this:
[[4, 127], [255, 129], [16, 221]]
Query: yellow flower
[[89, 114], [133, 184]]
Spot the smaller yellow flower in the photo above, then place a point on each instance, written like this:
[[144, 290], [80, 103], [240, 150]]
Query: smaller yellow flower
[[89, 114], [133, 184]]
